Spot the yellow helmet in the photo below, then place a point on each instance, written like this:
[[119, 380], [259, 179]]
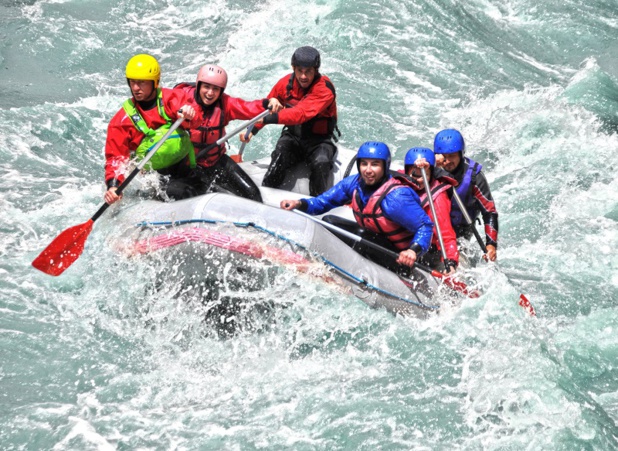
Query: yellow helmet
[[144, 67]]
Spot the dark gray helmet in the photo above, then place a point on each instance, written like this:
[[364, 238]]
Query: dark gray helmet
[[306, 57]]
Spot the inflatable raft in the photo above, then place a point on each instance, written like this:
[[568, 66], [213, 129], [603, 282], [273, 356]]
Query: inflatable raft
[[250, 231]]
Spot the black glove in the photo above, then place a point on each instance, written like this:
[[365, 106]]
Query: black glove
[[448, 264]]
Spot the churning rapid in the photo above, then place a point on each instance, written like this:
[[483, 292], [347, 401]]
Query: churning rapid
[[115, 353]]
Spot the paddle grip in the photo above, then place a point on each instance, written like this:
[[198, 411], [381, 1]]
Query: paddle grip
[[244, 144]]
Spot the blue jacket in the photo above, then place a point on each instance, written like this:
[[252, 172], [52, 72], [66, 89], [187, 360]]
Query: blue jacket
[[402, 206]]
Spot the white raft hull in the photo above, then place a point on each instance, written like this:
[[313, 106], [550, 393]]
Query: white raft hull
[[271, 235]]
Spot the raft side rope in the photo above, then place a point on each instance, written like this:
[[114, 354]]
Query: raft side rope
[[357, 279]]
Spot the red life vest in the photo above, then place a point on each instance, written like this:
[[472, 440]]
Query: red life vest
[[210, 130], [371, 216], [322, 125], [436, 186]]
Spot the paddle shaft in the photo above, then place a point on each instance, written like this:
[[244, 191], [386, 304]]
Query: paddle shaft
[[238, 129], [358, 239], [435, 217], [469, 221]]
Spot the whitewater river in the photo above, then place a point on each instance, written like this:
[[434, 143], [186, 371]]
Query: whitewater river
[[98, 359]]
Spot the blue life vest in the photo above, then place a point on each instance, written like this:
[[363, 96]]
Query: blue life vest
[[464, 189]]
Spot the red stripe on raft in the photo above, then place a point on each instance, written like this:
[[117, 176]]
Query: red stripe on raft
[[214, 238]]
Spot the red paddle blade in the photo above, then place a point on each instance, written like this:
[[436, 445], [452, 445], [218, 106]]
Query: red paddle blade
[[236, 158], [525, 303], [64, 250], [456, 285]]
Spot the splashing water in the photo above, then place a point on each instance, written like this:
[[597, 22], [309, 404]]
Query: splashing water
[[115, 353]]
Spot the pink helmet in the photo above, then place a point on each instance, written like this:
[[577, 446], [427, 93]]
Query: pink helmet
[[213, 75]]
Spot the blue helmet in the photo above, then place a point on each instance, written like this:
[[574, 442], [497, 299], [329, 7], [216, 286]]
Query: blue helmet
[[376, 150], [449, 141], [420, 152]]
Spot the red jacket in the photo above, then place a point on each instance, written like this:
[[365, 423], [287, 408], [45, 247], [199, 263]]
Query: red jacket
[[123, 137], [315, 106], [211, 125]]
